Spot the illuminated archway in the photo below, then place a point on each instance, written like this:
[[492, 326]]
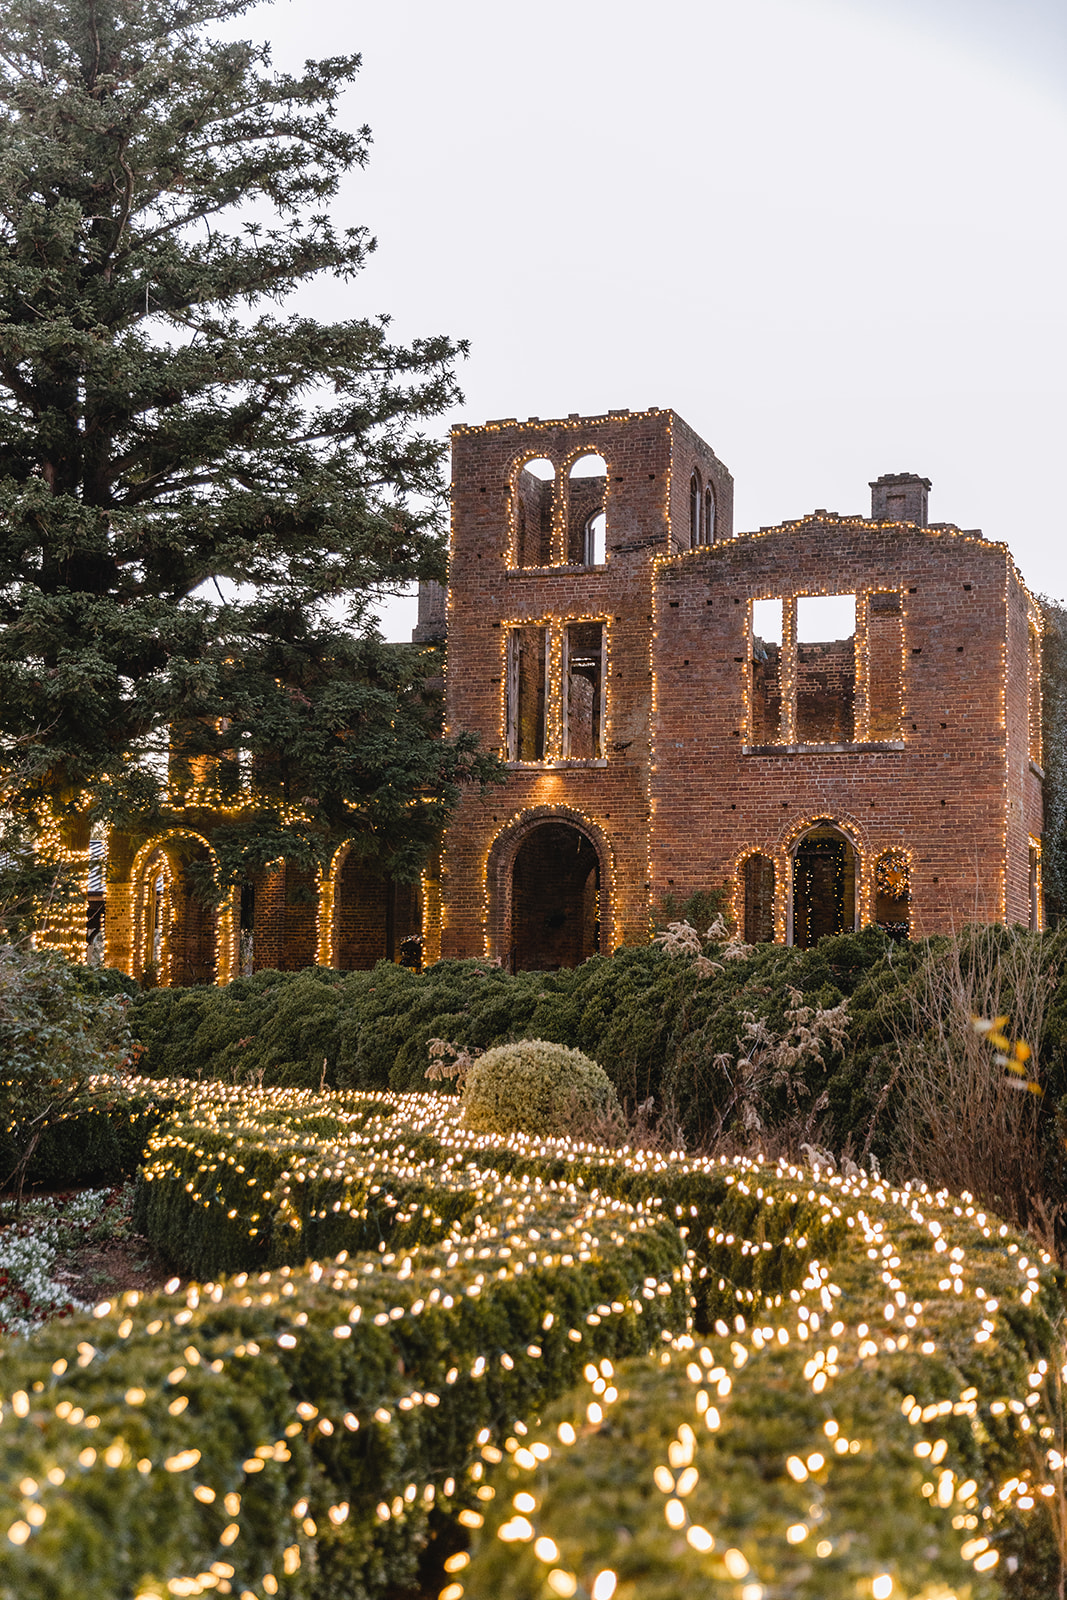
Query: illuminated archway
[[825, 874], [550, 892], [176, 926]]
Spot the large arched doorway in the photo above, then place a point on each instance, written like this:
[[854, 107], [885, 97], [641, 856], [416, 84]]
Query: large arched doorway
[[555, 899], [176, 918], [824, 885]]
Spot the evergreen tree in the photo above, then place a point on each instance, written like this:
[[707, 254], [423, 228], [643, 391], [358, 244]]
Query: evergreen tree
[[199, 491]]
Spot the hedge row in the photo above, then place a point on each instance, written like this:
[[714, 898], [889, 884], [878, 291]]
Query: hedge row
[[332, 1430], [660, 1026], [817, 1446], [312, 1432], [245, 1178], [100, 1141]]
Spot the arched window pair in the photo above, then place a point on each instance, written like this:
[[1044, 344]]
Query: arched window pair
[[701, 512], [825, 872], [585, 517]]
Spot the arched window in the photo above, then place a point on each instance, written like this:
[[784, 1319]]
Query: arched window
[[596, 540], [892, 893], [824, 885], [587, 490], [534, 488], [709, 515], [694, 509]]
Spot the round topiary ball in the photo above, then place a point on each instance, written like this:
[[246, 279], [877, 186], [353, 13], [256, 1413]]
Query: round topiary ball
[[536, 1087]]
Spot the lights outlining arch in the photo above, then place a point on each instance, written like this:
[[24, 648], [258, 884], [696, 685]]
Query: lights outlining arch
[[498, 866]]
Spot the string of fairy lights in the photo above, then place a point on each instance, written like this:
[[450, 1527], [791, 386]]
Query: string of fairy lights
[[378, 1144], [200, 794]]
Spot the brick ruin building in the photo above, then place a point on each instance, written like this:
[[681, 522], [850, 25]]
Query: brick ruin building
[[836, 720]]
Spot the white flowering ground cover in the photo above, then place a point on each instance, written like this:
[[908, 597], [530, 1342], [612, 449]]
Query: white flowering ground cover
[[30, 1291], [790, 1386]]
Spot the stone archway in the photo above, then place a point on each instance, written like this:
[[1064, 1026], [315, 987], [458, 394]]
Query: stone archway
[[825, 882], [549, 882]]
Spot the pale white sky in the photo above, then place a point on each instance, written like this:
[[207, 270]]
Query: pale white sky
[[830, 233]]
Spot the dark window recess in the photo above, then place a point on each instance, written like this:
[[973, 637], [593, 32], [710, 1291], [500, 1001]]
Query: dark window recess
[[892, 893], [824, 887], [759, 900], [583, 709], [527, 650]]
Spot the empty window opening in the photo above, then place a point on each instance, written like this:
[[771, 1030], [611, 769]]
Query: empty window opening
[[824, 886], [596, 540], [583, 700], [246, 955], [95, 893], [527, 677], [1037, 917], [766, 671], [885, 667], [1033, 679], [892, 894], [587, 488], [555, 900], [759, 900], [695, 509], [533, 513], [826, 669], [709, 515]]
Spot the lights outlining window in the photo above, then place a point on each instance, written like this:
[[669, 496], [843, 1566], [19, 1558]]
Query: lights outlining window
[[555, 690], [696, 507], [526, 698], [583, 700], [534, 494], [585, 539]]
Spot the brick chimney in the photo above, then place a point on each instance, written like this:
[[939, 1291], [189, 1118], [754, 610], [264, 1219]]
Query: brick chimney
[[900, 497]]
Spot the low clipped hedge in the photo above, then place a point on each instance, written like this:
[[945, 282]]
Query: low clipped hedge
[[313, 1432], [818, 1445], [242, 1179], [654, 1023], [342, 1429]]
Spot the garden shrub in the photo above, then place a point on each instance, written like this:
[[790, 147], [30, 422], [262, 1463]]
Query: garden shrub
[[339, 1430], [662, 1030], [536, 1087], [319, 1429], [61, 1027]]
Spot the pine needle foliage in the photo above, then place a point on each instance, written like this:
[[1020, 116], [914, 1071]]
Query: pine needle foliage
[[201, 490]]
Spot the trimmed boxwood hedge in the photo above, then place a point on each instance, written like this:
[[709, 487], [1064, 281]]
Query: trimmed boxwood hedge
[[332, 1431], [176, 1444], [652, 1021], [945, 1482]]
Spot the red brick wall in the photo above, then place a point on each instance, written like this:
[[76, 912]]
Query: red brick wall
[[484, 595], [941, 796]]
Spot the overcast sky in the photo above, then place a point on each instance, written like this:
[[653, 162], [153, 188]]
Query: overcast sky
[[830, 233]]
